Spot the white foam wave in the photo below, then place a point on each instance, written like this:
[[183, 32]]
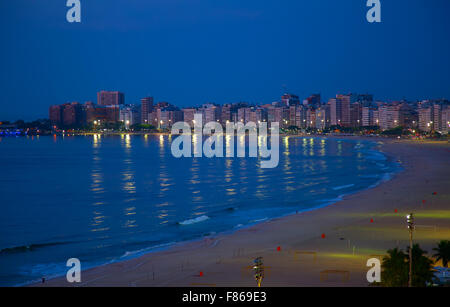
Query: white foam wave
[[259, 220], [135, 253], [343, 187], [194, 220]]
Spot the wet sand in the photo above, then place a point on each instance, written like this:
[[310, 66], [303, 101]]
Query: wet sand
[[298, 250]]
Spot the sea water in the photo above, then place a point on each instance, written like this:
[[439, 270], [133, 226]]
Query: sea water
[[103, 199]]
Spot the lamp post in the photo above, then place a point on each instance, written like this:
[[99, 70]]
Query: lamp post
[[258, 270], [410, 221]]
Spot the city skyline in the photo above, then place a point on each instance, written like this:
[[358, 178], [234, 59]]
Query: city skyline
[[124, 101], [219, 51], [344, 110]]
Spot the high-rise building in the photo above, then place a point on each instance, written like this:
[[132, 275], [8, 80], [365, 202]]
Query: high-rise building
[[225, 114], [310, 118], [146, 108], [89, 108], [369, 116], [285, 117], [366, 100], [56, 115], [356, 114], [292, 115], [312, 101], [244, 114], [95, 113], [445, 119], [167, 117], [112, 113], [164, 115], [321, 118], [425, 118], [340, 110], [437, 117], [344, 101], [130, 115], [110, 98], [212, 113], [257, 115], [188, 115], [153, 118], [433, 116], [300, 117], [277, 114], [290, 100], [72, 114], [390, 116]]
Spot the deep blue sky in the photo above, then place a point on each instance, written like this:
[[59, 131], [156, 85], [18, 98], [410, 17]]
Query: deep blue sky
[[191, 51]]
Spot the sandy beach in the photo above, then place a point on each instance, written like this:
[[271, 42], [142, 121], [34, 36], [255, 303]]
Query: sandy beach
[[299, 249]]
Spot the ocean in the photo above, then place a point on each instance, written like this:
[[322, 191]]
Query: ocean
[[103, 199]]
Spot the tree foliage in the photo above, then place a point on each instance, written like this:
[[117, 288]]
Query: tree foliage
[[395, 268], [443, 252]]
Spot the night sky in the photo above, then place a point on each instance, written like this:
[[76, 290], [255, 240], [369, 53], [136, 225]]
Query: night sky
[[189, 52]]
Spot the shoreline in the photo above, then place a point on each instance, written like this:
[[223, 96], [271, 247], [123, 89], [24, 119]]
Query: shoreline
[[194, 250], [131, 255]]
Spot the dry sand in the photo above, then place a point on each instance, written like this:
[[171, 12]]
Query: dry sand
[[351, 238]]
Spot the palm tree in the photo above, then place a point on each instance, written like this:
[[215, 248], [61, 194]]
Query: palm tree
[[422, 269], [443, 252], [396, 268]]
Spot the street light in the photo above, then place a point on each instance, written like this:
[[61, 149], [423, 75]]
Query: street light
[[410, 221], [258, 269]]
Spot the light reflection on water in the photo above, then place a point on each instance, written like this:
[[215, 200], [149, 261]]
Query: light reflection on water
[[97, 188], [128, 184], [127, 193]]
